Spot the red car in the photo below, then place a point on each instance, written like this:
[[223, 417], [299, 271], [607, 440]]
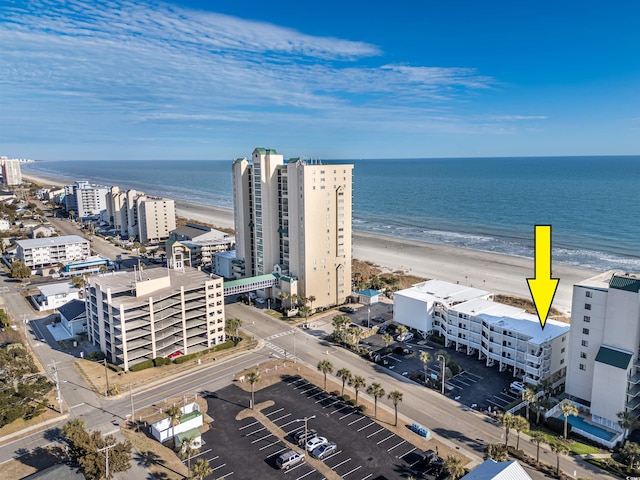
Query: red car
[[175, 354]]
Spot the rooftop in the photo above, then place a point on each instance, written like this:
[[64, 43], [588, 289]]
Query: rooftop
[[447, 292], [73, 309], [50, 289], [614, 357], [492, 470], [52, 241], [627, 282]]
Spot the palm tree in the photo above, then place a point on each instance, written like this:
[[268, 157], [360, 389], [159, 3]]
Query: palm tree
[[626, 421], [187, 450], [519, 424], [345, 375], [201, 469], [506, 420], [283, 296], [325, 366], [353, 336], [396, 397], [497, 452], [567, 408], [387, 339], [311, 299], [453, 465], [425, 357], [253, 378], [174, 413], [376, 391], [401, 329], [559, 448], [537, 437], [357, 382], [632, 451], [528, 396], [340, 322]]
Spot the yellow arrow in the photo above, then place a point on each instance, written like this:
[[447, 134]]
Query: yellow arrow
[[542, 287]]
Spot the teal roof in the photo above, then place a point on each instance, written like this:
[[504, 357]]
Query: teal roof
[[247, 281], [368, 293], [628, 284], [193, 433], [265, 151], [614, 357], [189, 416]]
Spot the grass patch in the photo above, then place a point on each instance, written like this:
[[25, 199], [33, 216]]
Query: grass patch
[[576, 447]]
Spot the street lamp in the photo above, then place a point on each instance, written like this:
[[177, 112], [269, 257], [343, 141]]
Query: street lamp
[[368, 317], [305, 420], [443, 365]]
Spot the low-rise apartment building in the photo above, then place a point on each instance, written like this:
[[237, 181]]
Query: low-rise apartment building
[[604, 361], [136, 316], [46, 252], [470, 321]]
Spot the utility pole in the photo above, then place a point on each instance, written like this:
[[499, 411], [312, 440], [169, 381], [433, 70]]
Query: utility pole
[[294, 345], [441, 359], [55, 378], [25, 320], [106, 450], [133, 418], [106, 376]]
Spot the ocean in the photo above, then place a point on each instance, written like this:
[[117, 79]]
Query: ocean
[[487, 204]]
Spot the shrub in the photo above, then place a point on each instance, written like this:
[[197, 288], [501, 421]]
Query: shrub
[[95, 356], [186, 358], [362, 408], [142, 366], [346, 397], [158, 361], [557, 425], [351, 402], [454, 367], [335, 393], [114, 368]]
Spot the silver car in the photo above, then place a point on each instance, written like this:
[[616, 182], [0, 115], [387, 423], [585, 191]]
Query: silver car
[[324, 451]]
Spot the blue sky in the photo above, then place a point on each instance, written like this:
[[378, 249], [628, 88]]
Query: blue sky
[[122, 79]]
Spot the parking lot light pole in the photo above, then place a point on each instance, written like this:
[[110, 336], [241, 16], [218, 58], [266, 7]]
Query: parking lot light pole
[[443, 365], [368, 317], [305, 420]]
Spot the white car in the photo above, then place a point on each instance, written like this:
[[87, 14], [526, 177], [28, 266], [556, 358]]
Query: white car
[[315, 442], [404, 337], [260, 300]]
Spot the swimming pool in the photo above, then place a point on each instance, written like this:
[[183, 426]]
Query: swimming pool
[[580, 424]]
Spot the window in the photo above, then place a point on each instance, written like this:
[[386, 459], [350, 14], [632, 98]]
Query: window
[[563, 349], [585, 331], [561, 361], [583, 354], [588, 294], [585, 343], [583, 367], [587, 318], [587, 306]]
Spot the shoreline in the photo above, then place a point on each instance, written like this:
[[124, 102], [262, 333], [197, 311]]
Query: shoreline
[[494, 272]]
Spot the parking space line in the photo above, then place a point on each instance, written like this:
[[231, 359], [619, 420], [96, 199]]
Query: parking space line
[[322, 399], [305, 384], [275, 411], [393, 358], [307, 390], [227, 475], [297, 466], [366, 426], [262, 438], [332, 455], [340, 409], [341, 463], [376, 432], [404, 455], [269, 445], [280, 451], [308, 473], [288, 423], [356, 421], [345, 416], [403, 441], [351, 471], [498, 404], [368, 476], [463, 383], [255, 431], [201, 453], [212, 459], [333, 403], [247, 426], [219, 466], [280, 418], [295, 429], [319, 393], [385, 439], [474, 375], [296, 380]]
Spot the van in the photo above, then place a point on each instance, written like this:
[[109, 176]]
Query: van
[[289, 459]]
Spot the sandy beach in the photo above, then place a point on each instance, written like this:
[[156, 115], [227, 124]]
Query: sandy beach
[[494, 272]]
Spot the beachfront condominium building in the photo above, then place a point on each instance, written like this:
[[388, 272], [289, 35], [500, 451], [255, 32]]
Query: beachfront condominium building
[[154, 313], [136, 215], [85, 199], [604, 361], [293, 219], [48, 252], [11, 174], [470, 321], [195, 245]]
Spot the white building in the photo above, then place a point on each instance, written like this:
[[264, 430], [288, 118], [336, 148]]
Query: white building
[[604, 361], [294, 218], [492, 470], [5, 224], [44, 252], [142, 315], [53, 295], [43, 231], [188, 423], [472, 322], [85, 199], [73, 317], [11, 174], [223, 263]]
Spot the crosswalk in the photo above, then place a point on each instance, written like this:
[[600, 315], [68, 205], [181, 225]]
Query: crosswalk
[[281, 334], [279, 352]]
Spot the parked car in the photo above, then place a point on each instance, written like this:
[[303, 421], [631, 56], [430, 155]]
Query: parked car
[[301, 437], [175, 354], [315, 442], [383, 330], [347, 309], [260, 300], [324, 450], [289, 459], [378, 319], [404, 337]]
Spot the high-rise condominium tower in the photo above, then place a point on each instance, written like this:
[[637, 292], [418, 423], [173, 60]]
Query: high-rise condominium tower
[[293, 218]]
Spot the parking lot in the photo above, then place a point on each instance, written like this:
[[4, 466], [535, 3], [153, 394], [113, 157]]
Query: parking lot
[[366, 449]]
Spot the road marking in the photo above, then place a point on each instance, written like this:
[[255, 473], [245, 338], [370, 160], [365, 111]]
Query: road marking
[[340, 409], [212, 459], [278, 335], [281, 450], [376, 432], [403, 441], [262, 438], [301, 386], [394, 358], [297, 466], [323, 399], [356, 421], [333, 403], [307, 390], [78, 405], [255, 431], [351, 471], [308, 473], [197, 455], [269, 445], [366, 426], [296, 429], [498, 404], [280, 418], [319, 393], [275, 411], [219, 466], [368, 476], [345, 416], [288, 423], [297, 380], [385, 439], [414, 448], [247, 426], [341, 463]]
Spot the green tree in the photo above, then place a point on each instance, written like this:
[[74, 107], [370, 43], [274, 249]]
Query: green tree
[[174, 413], [559, 448], [340, 322], [387, 339], [528, 396], [232, 326], [537, 437], [77, 281], [396, 397], [253, 378], [345, 375], [627, 421], [283, 296], [311, 299], [201, 469], [376, 391], [324, 367], [453, 466], [497, 452], [401, 329], [353, 335], [567, 408], [519, 424], [425, 358], [20, 270], [631, 451], [187, 450], [507, 421], [358, 383], [142, 250]]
